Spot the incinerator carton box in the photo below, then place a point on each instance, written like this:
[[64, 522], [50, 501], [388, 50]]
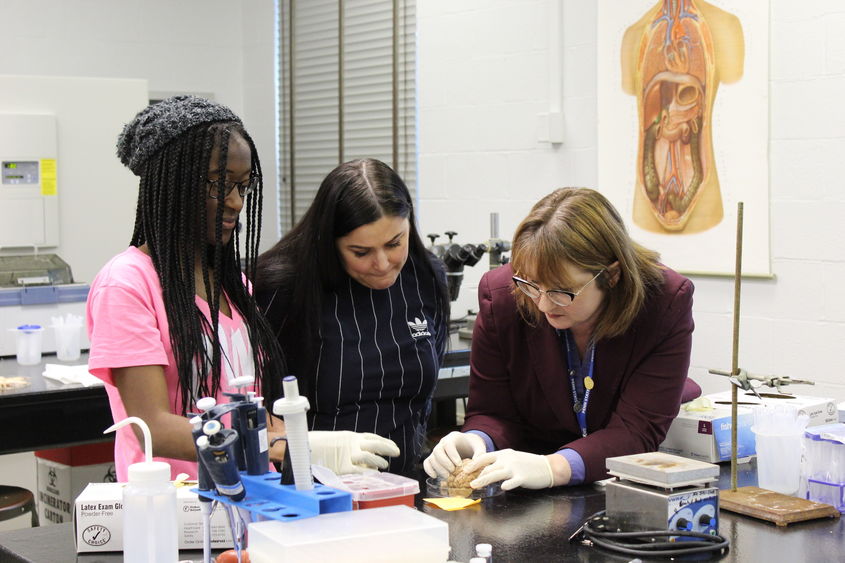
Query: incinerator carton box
[[63, 473], [98, 520], [706, 434]]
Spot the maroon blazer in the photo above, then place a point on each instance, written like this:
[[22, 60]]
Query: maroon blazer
[[519, 391]]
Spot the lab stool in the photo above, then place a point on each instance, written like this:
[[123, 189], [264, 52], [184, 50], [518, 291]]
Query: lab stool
[[15, 501]]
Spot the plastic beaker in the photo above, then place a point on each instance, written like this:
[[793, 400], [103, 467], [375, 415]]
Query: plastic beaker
[[67, 342], [779, 460], [29, 344]]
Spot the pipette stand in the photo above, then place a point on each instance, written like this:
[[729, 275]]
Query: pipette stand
[[267, 499]]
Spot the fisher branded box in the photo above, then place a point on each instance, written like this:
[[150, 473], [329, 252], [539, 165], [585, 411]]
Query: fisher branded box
[[98, 519], [62, 473], [705, 434]]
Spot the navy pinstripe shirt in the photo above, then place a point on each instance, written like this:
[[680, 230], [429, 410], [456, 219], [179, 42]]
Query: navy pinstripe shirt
[[379, 355]]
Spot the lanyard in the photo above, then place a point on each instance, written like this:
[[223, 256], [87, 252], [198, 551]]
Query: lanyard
[[580, 406]]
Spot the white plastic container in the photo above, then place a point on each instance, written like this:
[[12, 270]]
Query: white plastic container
[[67, 331], [149, 507], [387, 534], [28, 344], [779, 460], [779, 433]]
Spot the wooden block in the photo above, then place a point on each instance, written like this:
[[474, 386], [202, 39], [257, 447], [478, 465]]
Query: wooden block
[[774, 507]]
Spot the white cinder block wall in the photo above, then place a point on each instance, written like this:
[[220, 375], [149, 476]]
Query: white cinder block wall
[[483, 78]]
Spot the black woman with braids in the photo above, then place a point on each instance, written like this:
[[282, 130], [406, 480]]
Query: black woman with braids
[[172, 319]]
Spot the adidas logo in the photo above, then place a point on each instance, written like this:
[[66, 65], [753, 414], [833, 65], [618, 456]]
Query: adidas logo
[[419, 328]]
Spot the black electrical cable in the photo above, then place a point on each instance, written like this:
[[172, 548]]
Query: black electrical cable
[[634, 543]]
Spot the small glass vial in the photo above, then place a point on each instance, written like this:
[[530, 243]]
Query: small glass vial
[[484, 551]]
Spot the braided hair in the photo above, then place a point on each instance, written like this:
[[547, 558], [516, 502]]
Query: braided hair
[[171, 220]]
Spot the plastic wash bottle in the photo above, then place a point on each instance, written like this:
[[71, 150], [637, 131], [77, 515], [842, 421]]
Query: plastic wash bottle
[[149, 507]]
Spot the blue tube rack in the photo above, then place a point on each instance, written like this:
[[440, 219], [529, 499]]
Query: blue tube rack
[[268, 498]]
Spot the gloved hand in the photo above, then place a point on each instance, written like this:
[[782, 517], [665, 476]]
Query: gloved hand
[[516, 469], [450, 450], [350, 452]]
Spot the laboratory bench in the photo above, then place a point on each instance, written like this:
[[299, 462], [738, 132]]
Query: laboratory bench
[[47, 414], [453, 379], [524, 525]]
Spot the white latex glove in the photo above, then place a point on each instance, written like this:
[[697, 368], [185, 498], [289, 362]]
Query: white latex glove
[[516, 469], [350, 452], [450, 450]]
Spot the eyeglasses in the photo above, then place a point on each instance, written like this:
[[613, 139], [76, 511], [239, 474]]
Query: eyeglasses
[[559, 297], [244, 188]]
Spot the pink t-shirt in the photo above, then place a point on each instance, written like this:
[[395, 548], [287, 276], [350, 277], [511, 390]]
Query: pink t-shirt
[[127, 326]]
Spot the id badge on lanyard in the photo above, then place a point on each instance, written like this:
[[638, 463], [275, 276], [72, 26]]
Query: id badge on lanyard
[[580, 406]]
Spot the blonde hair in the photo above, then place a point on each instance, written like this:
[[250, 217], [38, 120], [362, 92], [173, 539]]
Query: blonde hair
[[579, 226]]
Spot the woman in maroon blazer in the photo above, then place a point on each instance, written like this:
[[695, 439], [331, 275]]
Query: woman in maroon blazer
[[580, 351]]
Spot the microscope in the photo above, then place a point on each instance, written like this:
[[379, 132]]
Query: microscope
[[456, 257]]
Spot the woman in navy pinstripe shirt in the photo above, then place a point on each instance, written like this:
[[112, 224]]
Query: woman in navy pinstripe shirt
[[360, 308]]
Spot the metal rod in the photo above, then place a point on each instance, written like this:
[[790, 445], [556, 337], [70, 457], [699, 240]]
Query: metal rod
[[735, 347], [395, 80], [340, 77], [496, 244]]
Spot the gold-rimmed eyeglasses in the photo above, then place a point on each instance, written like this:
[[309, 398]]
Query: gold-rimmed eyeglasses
[[560, 297]]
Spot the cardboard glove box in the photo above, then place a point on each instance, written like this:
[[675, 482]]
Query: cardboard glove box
[[98, 519]]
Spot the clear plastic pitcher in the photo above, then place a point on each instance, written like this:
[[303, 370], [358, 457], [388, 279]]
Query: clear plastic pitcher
[[779, 433], [29, 344], [779, 460]]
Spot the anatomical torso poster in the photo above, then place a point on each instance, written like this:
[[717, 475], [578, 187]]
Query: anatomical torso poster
[[683, 128]]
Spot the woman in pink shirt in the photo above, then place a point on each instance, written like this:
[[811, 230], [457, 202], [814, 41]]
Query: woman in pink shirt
[[171, 319]]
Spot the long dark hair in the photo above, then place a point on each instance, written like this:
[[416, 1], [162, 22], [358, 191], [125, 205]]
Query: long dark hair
[[171, 220], [297, 271]]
